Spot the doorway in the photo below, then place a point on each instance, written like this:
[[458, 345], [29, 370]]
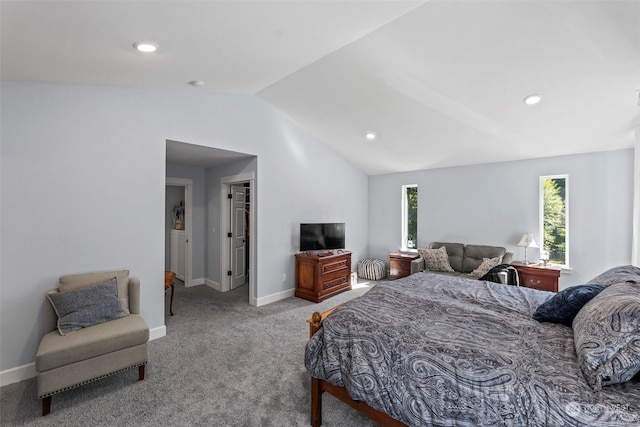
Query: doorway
[[237, 255], [180, 240]]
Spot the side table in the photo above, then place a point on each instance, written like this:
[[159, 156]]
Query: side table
[[400, 264], [169, 282], [536, 276]]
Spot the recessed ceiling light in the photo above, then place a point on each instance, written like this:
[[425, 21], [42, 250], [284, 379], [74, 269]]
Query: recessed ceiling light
[[370, 136], [532, 99], [146, 47]]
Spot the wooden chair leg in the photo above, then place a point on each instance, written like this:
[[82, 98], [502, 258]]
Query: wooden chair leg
[[141, 372], [171, 301], [46, 405], [316, 402]]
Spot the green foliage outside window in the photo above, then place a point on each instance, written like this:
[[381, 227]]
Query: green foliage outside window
[[412, 217], [555, 219]]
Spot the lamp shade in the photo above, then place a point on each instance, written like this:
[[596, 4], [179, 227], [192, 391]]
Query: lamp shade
[[527, 241]]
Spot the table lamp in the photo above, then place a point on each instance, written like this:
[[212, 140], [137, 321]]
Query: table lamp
[[527, 242]]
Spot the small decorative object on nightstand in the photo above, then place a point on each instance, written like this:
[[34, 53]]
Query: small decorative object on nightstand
[[541, 277], [400, 264]]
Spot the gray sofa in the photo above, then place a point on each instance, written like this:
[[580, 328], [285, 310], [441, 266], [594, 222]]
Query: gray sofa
[[464, 258], [94, 352]]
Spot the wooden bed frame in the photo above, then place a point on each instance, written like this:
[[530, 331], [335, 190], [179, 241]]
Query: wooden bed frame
[[319, 386]]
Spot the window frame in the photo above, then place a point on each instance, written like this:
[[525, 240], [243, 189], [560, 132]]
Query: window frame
[[405, 220], [543, 178]]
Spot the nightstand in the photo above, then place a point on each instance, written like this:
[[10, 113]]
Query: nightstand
[[541, 277], [400, 264]]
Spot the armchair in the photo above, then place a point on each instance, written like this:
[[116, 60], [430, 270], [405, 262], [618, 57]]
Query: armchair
[[92, 352]]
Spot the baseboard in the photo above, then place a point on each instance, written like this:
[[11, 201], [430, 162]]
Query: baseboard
[[215, 285], [15, 375], [196, 282], [274, 297], [24, 372]]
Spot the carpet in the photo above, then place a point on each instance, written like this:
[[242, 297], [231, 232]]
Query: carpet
[[222, 363]]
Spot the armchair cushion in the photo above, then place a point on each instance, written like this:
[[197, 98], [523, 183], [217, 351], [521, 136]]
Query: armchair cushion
[[79, 308]]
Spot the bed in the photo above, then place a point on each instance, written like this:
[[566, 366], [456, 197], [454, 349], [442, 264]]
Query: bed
[[432, 350]]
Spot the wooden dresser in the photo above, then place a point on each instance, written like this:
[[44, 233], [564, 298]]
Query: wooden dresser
[[322, 275], [541, 277], [400, 264]]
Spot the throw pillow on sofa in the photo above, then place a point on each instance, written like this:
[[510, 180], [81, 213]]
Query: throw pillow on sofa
[[436, 259], [486, 265]]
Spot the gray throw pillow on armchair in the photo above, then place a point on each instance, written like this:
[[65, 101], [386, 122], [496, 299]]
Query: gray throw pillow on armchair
[[83, 307]]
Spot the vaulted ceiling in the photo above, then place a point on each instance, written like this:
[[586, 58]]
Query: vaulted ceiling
[[440, 83]]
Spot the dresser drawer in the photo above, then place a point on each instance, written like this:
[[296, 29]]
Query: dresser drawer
[[535, 281]]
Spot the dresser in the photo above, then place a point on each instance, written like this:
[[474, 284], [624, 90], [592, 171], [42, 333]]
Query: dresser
[[400, 264], [322, 275], [541, 277]]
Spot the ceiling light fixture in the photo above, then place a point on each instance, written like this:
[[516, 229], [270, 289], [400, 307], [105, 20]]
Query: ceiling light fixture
[[146, 47], [370, 136], [532, 99]]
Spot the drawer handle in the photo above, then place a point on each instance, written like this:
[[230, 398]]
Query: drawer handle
[[531, 282]]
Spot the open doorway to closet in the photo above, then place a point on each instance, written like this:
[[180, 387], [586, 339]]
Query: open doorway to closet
[[238, 244]]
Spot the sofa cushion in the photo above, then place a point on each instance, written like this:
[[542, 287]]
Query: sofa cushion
[[455, 251], [475, 254], [57, 350], [484, 267], [75, 281], [435, 259], [86, 306]]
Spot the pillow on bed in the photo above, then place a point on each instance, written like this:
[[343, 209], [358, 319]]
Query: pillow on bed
[[436, 259], [606, 333], [563, 306], [620, 274], [486, 265]]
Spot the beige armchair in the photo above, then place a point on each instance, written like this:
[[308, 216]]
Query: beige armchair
[[91, 352]]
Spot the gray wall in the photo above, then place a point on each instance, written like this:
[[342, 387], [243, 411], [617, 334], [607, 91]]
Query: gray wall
[[83, 188], [496, 203]]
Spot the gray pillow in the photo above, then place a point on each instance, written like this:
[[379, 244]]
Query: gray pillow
[[87, 306], [620, 274], [606, 333]]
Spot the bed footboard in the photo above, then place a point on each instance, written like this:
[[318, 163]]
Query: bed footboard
[[319, 386]]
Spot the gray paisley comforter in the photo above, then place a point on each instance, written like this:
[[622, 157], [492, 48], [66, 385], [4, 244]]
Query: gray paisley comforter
[[433, 350]]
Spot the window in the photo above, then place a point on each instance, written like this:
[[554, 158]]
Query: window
[[409, 217], [554, 218]]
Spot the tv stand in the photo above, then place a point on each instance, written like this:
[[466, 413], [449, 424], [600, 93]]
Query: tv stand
[[321, 275]]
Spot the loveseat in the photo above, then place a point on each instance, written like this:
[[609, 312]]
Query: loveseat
[[86, 354], [463, 259]]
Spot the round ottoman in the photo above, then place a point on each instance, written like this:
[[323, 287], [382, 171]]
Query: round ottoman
[[372, 269]]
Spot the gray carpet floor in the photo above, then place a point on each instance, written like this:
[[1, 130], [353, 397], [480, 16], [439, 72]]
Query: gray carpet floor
[[222, 363]]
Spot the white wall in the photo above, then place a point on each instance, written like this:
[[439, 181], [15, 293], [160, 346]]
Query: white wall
[[173, 196], [83, 187], [496, 203]]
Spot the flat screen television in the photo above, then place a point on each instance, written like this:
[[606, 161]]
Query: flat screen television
[[321, 236]]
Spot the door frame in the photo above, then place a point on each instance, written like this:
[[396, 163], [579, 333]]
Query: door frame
[[188, 229], [225, 257]]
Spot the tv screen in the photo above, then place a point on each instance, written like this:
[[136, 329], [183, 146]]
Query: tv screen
[[314, 237]]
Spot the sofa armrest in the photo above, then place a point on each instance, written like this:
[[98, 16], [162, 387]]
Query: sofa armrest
[[507, 258], [417, 265], [134, 295]]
